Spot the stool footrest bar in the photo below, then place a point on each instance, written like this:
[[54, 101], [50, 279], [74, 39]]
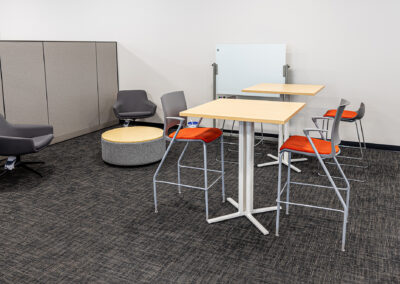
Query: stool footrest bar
[[197, 168], [317, 185], [189, 186], [311, 206]]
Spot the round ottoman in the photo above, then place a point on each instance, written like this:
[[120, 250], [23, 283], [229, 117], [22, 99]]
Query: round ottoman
[[132, 146]]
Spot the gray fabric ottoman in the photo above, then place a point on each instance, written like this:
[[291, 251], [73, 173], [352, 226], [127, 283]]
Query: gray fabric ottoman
[[132, 146]]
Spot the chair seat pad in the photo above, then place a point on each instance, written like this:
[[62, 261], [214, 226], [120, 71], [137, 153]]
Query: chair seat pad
[[347, 114], [42, 141], [207, 134], [135, 114], [301, 144]]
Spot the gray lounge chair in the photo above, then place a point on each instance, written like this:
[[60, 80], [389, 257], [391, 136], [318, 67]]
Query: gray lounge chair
[[20, 139], [133, 104]]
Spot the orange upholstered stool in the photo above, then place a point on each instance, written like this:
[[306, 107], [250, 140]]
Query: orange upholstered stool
[[207, 134], [347, 114], [173, 103], [301, 144], [322, 149], [351, 116]]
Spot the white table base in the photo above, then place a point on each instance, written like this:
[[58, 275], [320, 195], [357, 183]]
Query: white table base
[[283, 136], [246, 180]]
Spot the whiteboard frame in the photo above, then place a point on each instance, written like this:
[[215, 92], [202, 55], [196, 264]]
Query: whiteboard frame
[[254, 54]]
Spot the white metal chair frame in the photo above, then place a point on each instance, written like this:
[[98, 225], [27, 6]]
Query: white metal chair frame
[[335, 141], [207, 186]]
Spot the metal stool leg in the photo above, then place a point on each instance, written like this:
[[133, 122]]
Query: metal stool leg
[[346, 181], [278, 198], [262, 136], [222, 167], [223, 125], [359, 140], [205, 179], [346, 211], [233, 125], [179, 167], [155, 196], [156, 173], [288, 183], [337, 193], [362, 134], [361, 146]]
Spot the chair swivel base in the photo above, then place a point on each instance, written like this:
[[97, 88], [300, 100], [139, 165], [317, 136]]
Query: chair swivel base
[[8, 167], [127, 122]]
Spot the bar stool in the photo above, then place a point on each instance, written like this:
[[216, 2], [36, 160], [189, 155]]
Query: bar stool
[[350, 116], [321, 149], [173, 103]]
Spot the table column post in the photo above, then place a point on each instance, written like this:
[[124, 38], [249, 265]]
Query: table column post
[[242, 166], [249, 166]]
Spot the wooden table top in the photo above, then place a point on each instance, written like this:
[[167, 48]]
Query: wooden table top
[[246, 110], [285, 89], [135, 134]]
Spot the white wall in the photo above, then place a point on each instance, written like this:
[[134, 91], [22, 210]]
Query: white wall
[[350, 46]]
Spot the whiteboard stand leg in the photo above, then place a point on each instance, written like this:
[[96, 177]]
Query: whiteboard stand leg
[[215, 72]]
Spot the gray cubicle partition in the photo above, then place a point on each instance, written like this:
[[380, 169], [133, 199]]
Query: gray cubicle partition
[[107, 78], [1, 92], [70, 85], [24, 84]]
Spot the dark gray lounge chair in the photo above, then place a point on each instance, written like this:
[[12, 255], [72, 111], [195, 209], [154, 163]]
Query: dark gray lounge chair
[[133, 104], [20, 139]]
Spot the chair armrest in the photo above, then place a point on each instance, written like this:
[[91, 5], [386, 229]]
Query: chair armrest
[[322, 117], [181, 120], [150, 104], [117, 106], [14, 146], [31, 130], [308, 130], [152, 107], [315, 120]]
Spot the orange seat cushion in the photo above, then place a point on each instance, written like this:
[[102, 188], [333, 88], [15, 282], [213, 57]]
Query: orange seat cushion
[[347, 114], [207, 134], [301, 144]]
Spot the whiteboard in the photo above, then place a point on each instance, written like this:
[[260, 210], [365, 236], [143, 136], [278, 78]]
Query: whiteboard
[[244, 65]]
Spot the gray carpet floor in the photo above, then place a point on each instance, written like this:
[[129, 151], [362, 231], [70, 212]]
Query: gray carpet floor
[[89, 222]]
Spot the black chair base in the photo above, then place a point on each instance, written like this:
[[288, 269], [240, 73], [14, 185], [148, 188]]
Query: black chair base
[[127, 122], [24, 165]]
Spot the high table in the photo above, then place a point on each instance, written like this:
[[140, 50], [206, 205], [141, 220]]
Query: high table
[[247, 112], [284, 89]]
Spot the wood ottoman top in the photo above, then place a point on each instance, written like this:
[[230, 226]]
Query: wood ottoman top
[[136, 134]]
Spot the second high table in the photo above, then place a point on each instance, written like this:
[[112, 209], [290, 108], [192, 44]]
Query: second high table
[[247, 112], [284, 89]]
